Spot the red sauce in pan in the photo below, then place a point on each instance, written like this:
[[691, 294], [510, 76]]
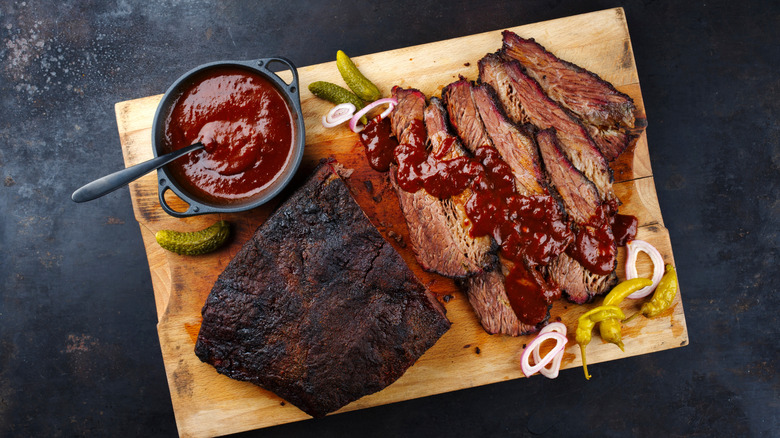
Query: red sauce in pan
[[246, 126]]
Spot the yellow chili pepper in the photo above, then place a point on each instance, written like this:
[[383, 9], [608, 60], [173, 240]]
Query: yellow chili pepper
[[664, 294], [589, 320], [624, 289], [610, 328]]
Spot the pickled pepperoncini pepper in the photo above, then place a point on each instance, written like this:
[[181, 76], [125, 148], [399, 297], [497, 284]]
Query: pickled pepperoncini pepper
[[610, 328], [589, 320], [664, 294]]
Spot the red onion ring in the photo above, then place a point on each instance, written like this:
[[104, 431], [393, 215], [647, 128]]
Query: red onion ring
[[560, 343], [392, 101], [552, 371], [634, 248], [338, 115]]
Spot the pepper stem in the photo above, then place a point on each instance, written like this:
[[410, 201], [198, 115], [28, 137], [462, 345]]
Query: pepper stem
[[584, 363], [631, 317]]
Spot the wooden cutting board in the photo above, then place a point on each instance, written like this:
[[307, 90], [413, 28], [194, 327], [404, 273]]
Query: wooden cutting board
[[206, 403]]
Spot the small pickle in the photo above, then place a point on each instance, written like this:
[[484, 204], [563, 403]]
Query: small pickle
[[338, 95], [664, 294], [195, 242], [364, 88], [586, 323], [610, 328], [335, 93]]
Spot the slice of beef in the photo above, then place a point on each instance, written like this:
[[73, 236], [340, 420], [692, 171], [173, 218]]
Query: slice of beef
[[610, 141], [582, 203], [440, 242], [464, 116], [317, 307], [407, 116], [524, 100], [516, 146], [446, 146], [578, 194], [579, 284], [438, 229], [581, 91], [607, 113], [487, 296]]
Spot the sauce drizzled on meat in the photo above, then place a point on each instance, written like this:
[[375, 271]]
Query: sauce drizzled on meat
[[530, 230], [624, 228], [379, 144], [593, 244], [417, 169]]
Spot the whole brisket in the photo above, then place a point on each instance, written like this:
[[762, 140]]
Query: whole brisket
[[317, 307]]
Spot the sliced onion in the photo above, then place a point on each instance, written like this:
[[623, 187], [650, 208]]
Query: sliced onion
[[392, 101], [338, 115], [552, 371], [634, 248], [560, 343]]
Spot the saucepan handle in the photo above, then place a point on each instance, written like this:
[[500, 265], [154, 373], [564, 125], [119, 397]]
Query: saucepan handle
[[292, 86], [193, 208]]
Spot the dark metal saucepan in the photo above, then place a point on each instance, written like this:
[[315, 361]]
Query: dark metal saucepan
[[166, 181]]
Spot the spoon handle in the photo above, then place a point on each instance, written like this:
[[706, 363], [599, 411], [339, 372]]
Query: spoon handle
[[109, 183]]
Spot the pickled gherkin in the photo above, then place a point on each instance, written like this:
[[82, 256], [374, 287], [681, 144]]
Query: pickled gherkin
[[195, 242], [363, 88]]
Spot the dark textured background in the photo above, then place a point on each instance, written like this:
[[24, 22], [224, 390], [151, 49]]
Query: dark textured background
[[79, 353]]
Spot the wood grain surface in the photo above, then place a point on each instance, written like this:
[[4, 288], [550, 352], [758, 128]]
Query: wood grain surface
[[208, 404]]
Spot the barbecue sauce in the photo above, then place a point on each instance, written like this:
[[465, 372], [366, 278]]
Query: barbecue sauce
[[594, 244], [624, 228], [246, 126], [379, 144], [417, 169], [530, 230]]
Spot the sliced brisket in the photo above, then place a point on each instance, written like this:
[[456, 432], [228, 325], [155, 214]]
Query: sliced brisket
[[524, 99], [317, 307], [444, 145], [407, 116], [516, 146], [464, 116], [608, 112], [582, 203], [487, 295], [579, 284], [438, 229], [578, 193], [581, 91]]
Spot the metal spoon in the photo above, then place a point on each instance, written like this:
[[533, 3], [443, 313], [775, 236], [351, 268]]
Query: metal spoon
[[109, 183]]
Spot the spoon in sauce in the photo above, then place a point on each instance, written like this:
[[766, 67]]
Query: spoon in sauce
[[116, 180]]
